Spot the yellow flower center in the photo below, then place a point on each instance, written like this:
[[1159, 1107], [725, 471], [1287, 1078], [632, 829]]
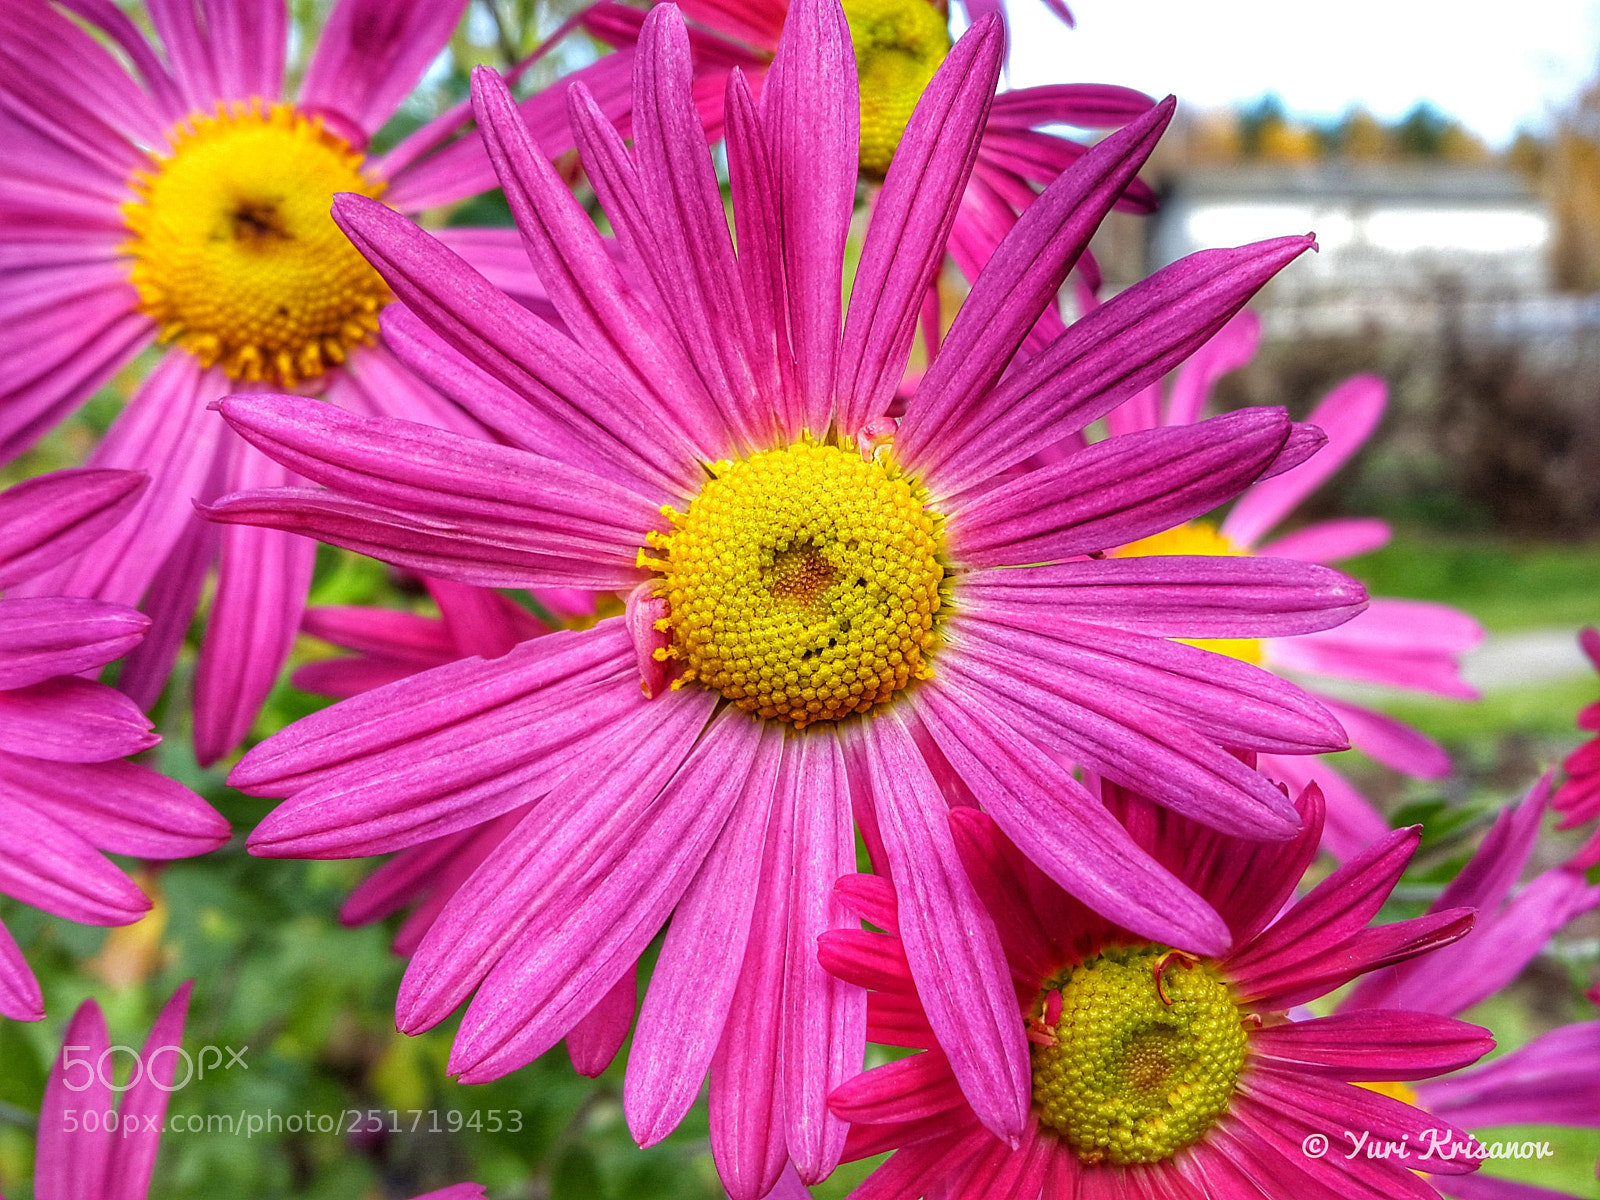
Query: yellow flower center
[[1199, 537], [235, 255], [899, 45], [1148, 1049], [802, 583]]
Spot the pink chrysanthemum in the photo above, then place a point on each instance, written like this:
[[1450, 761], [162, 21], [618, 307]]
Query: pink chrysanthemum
[[899, 44], [1157, 1073], [1578, 798], [1409, 644], [1554, 1079], [838, 601], [187, 202], [67, 796], [113, 1155]]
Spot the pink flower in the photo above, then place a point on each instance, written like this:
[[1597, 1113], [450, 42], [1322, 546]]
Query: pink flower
[[186, 202], [1158, 1073], [67, 795], [1409, 644], [828, 613], [113, 1156], [1578, 798], [898, 45], [1553, 1080]]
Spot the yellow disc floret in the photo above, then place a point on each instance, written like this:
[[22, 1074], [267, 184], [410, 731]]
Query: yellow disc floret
[[899, 45], [235, 255], [1203, 538], [802, 583], [1147, 1051]]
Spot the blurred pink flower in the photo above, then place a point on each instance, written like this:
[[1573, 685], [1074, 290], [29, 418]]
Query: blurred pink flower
[[726, 403], [67, 796], [183, 199], [1578, 798], [1410, 644], [115, 1159], [1554, 1079], [898, 45], [1156, 1073]]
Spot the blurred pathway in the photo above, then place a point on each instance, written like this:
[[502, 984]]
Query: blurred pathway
[[1512, 660]]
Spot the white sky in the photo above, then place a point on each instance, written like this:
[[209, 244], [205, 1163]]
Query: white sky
[[1494, 66]]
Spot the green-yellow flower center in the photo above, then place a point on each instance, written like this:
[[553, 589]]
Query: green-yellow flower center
[[1148, 1048], [235, 255], [899, 45], [802, 583], [1199, 537]]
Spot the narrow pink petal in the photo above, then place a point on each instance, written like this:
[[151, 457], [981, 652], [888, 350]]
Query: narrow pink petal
[[166, 431], [121, 807], [599, 905], [910, 228], [20, 997], [1124, 345], [1554, 1080], [1177, 596], [69, 1162], [262, 581], [569, 386], [950, 941], [1373, 1045], [691, 273], [747, 1098], [691, 990], [1063, 829], [917, 1088], [1402, 643], [143, 1110], [49, 518], [331, 741], [480, 621], [458, 774], [370, 54], [407, 637], [172, 601], [1021, 278], [1393, 743], [824, 1025], [1116, 491], [583, 281], [812, 114], [1352, 823], [63, 635], [1086, 105], [71, 720], [1144, 750], [1331, 541], [1230, 348], [49, 866], [568, 850], [594, 1041], [1348, 415], [754, 192]]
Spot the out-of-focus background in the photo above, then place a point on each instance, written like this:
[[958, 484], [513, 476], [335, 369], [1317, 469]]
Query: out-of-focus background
[[1447, 155]]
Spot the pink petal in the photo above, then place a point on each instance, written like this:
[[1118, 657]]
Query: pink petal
[[20, 997], [1348, 415], [40, 639], [1330, 541], [691, 989], [812, 115], [594, 1041], [950, 941], [371, 53], [49, 518], [262, 581]]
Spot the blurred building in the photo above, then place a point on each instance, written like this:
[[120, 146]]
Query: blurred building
[[1396, 238]]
